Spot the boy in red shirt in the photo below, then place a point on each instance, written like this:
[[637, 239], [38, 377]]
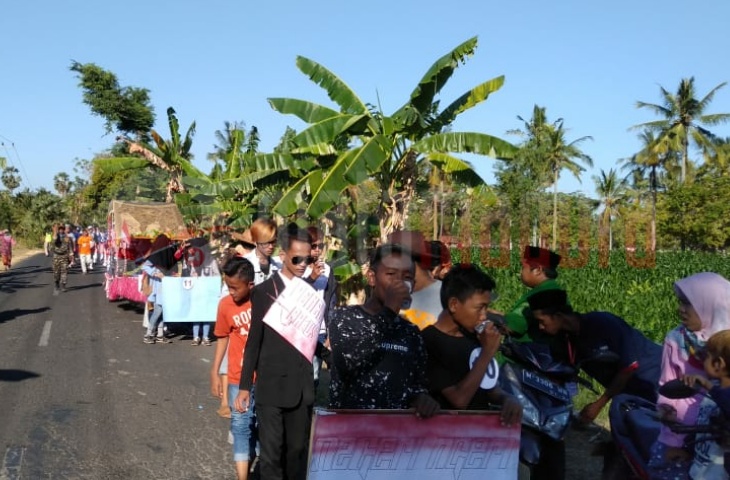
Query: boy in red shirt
[[231, 328]]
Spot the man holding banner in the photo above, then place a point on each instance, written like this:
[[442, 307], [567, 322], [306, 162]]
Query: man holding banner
[[286, 314]]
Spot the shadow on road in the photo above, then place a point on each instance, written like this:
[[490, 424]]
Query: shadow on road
[[22, 277], [81, 287], [128, 306], [8, 315], [16, 375]]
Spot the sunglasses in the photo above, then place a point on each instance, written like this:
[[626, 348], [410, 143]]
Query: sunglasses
[[318, 246], [299, 260]]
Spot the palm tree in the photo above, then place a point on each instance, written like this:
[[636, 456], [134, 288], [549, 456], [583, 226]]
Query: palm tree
[[172, 156], [611, 191], [683, 119], [646, 168], [560, 156], [62, 183], [548, 153]]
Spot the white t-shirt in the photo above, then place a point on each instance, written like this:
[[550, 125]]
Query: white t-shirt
[[259, 276]]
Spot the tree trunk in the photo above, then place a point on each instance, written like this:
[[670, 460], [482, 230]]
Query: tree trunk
[[441, 208], [610, 234], [435, 213], [555, 211], [685, 159], [393, 209], [653, 221]]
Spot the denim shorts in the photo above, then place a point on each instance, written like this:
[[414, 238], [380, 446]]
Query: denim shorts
[[243, 428]]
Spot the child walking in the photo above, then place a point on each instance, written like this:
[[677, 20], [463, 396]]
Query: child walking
[[231, 327], [708, 459], [704, 309]]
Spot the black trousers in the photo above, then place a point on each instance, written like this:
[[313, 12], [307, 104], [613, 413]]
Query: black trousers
[[284, 439]]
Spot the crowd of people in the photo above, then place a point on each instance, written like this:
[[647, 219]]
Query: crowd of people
[[424, 339], [68, 244]]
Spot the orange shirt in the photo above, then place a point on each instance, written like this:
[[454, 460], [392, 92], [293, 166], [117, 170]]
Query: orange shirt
[[233, 321], [84, 243]]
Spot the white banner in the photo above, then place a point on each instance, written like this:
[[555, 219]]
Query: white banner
[[296, 314]]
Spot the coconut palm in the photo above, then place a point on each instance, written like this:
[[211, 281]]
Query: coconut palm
[[547, 153], [651, 166], [684, 120], [611, 190], [561, 155]]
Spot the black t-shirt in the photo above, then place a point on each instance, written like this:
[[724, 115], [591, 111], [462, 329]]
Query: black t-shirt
[[603, 330], [448, 363], [378, 361]]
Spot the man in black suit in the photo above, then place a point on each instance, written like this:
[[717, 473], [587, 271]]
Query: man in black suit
[[286, 314]]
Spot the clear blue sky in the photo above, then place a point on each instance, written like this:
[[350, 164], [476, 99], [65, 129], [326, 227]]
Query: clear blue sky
[[587, 62]]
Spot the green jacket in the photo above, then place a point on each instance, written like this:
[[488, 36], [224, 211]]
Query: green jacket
[[520, 320]]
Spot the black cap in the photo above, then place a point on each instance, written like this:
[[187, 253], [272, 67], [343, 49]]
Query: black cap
[[552, 298]]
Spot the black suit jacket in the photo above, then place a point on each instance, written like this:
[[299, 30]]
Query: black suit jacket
[[283, 375]]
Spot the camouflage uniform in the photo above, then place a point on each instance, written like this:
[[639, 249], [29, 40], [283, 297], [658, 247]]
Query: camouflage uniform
[[62, 255]]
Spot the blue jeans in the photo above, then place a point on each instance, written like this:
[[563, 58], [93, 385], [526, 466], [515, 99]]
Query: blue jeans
[[154, 320], [206, 330], [243, 427]]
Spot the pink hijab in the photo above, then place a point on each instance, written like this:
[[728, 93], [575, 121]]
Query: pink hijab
[[709, 294]]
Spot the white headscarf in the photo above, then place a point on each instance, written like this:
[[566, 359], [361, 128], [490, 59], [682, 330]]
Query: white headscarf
[[709, 295]]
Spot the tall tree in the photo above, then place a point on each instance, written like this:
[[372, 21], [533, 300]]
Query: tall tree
[[62, 183], [647, 169], [11, 178], [547, 146], [384, 148], [124, 109], [611, 190], [561, 155], [684, 120]]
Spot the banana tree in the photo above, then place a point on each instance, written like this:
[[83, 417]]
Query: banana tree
[[383, 148], [172, 156]]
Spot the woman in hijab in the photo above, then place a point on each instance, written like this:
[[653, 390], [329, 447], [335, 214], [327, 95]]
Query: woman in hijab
[[704, 309]]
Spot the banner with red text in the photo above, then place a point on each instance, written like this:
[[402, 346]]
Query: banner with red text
[[374, 445]]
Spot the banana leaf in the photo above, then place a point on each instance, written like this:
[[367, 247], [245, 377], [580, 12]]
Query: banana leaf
[[473, 97], [336, 89], [351, 168], [436, 77], [307, 111], [466, 142], [327, 130], [289, 202]]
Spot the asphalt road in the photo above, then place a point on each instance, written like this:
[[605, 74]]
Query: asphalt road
[[81, 397]]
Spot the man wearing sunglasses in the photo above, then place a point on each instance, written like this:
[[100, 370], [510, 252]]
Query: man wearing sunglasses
[[286, 314]]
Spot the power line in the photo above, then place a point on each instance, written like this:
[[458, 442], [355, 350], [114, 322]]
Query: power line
[[17, 157]]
